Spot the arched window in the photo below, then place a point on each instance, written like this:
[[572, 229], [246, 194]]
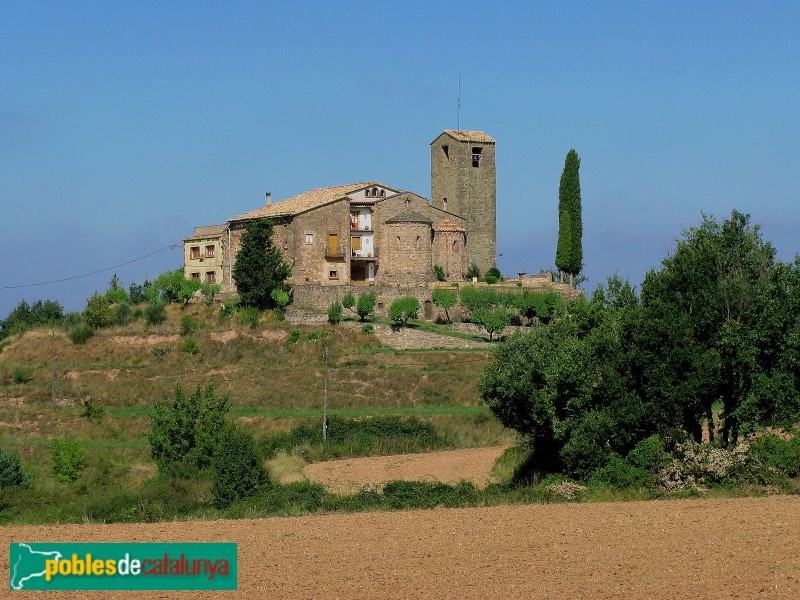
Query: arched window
[[416, 244], [455, 245]]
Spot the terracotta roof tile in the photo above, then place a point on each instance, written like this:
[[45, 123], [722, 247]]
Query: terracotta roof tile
[[447, 225], [470, 136], [303, 202]]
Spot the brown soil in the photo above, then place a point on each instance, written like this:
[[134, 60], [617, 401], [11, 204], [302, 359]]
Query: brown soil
[[736, 548], [450, 466]]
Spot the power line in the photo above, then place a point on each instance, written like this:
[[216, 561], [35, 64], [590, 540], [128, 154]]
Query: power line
[[26, 285]]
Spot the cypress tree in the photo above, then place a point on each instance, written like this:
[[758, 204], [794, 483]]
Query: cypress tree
[[569, 252], [259, 268]]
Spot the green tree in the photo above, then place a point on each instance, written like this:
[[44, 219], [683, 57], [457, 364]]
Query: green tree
[[173, 286], [403, 309], [184, 431], [366, 305], [98, 312], [349, 301], [69, 459], [569, 251], [492, 321], [335, 313], [445, 299], [11, 473], [259, 268], [116, 293], [237, 469]]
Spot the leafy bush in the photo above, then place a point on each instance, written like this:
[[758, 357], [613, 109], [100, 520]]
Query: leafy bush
[[438, 271], [137, 293], [490, 279], [190, 346], [97, 313], [250, 315], [71, 320], [121, 314], [228, 309], [92, 411], [368, 329], [774, 459], [69, 459], [81, 334], [494, 272], [237, 469], [116, 293], [474, 298], [155, 313], [473, 271], [403, 309], [188, 325], [173, 286], [294, 336], [334, 313], [11, 473], [349, 301], [20, 375], [312, 336], [184, 431], [209, 291], [366, 305], [619, 473]]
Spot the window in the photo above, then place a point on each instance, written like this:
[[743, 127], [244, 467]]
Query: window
[[354, 220], [194, 253], [209, 251], [309, 238], [446, 150], [211, 277], [455, 245], [444, 202], [476, 155], [196, 275], [383, 193], [333, 274], [333, 244], [416, 243], [355, 243]]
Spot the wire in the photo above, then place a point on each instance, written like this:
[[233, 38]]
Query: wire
[[26, 285]]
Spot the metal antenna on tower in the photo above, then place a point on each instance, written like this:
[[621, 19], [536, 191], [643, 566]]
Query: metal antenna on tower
[[458, 106]]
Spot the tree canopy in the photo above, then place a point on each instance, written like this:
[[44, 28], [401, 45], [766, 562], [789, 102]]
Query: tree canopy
[[569, 250], [259, 268]]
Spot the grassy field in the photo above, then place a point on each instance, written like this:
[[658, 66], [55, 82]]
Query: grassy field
[[275, 386]]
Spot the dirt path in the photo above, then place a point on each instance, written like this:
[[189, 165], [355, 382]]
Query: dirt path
[[450, 466], [739, 548]]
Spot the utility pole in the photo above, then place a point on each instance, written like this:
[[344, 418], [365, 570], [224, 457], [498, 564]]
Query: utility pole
[[53, 361], [325, 402]]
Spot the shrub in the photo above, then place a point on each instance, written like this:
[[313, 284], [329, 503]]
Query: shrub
[[184, 431], [97, 313], [490, 279], [438, 271], [237, 469], [774, 459], [20, 375], [69, 459], [494, 272], [294, 336], [335, 313], [491, 320], [160, 352], [250, 315], [312, 336], [403, 309], [92, 411], [155, 313], [71, 320], [228, 309], [473, 271], [138, 292], [366, 305], [368, 329], [173, 286], [209, 291], [11, 473], [190, 346], [618, 473], [81, 334], [122, 314], [188, 325]]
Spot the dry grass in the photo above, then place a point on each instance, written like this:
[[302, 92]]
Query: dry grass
[[286, 468]]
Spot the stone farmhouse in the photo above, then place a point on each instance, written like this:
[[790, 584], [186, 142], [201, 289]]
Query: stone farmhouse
[[370, 233]]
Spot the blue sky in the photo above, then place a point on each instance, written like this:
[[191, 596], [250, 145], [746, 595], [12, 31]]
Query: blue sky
[[124, 125]]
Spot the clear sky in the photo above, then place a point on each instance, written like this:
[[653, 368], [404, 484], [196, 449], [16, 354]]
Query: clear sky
[[125, 124]]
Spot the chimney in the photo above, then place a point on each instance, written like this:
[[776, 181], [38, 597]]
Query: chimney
[[269, 198]]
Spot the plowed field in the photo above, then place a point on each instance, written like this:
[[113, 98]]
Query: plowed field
[[738, 548]]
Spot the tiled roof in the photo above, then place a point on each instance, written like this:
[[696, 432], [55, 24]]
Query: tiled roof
[[409, 216], [447, 225], [303, 202], [470, 136]]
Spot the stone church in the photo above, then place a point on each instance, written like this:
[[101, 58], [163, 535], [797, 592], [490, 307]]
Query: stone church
[[369, 233]]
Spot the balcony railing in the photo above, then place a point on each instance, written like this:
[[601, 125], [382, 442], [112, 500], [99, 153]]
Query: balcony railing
[[362, 255], [354, 227]]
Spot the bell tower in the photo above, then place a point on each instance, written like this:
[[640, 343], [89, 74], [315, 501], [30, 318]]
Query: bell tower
[[464, 182]]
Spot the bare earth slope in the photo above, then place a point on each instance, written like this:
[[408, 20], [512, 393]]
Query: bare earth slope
[[738, 548], [448, 466]]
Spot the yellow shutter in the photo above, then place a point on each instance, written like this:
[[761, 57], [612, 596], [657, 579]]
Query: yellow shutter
[[333, 244], [355, 241]]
